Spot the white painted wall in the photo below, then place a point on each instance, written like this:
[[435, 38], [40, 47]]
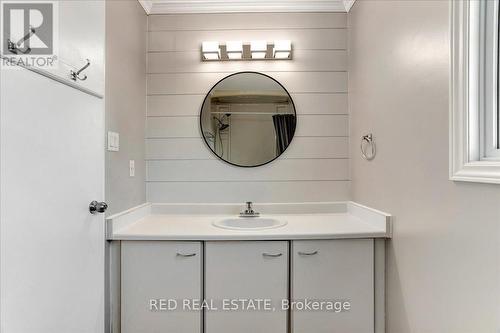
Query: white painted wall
[[443, 271], [180, 168], [126, 38]]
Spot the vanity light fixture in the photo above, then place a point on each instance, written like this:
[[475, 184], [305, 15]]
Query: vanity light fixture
[[282, 49], [254, 50], [258, 48], [234, 50], [210, 50]]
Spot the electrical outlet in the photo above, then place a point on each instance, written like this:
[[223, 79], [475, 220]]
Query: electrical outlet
[[131, 166]]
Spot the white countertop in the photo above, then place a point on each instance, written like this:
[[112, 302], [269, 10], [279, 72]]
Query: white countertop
[[194, 222]]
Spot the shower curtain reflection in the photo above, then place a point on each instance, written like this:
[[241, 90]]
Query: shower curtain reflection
[[284, 125]]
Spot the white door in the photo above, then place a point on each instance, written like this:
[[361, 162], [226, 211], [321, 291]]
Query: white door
[[244, 271], [157, 274], [52, 167], [333, 271]]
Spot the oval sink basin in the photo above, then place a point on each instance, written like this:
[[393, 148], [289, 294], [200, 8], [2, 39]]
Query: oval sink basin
[[249, 223]]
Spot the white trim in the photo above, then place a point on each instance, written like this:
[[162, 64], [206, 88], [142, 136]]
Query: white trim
[[348, 5], [465, 161], [489, 149], [243, 6], [147, 5]]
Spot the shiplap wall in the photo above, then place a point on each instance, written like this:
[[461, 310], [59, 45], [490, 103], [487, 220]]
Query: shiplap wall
[[180, 168]]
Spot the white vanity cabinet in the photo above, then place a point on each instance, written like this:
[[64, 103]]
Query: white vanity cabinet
[[339, 270], [152, 271], [337, 259], [246, 270]]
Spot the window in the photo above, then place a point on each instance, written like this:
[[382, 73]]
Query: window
[[488, 75], [475, 91]]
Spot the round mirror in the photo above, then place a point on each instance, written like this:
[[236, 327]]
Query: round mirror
[[248, 119]]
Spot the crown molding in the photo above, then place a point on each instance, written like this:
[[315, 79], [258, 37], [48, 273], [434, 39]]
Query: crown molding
[[242, 6], [147, 5], [348, 4]]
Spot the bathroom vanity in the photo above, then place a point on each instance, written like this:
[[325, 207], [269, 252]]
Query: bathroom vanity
[[225, 268], [184, 268]]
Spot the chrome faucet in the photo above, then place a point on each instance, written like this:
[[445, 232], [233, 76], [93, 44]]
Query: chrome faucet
[[249, 212]]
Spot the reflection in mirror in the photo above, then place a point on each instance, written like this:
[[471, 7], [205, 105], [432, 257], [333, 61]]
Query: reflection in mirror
[[248, 119]]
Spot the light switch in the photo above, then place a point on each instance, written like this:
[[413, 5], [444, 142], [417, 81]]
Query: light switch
[[132, 168], [113, 141]]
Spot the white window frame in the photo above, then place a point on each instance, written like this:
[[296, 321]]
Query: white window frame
[[474, 157]]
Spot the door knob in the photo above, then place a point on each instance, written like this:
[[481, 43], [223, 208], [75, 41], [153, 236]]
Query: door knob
[[97, 207]]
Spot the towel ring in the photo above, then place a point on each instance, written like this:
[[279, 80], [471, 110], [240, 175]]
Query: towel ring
[[368, 141]]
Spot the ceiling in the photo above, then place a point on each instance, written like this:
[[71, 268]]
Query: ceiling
[[239, 6]]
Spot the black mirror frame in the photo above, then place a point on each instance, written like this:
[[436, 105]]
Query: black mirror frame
[[201, 125]]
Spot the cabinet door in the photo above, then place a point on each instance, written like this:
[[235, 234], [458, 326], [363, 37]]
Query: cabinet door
[[246, 270], [333, 270], [153, 271]]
